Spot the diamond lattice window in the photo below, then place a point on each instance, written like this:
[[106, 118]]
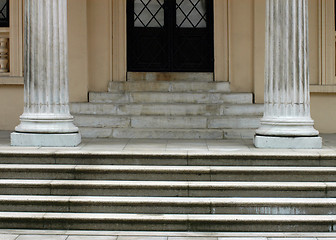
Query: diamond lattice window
[[149, 13], [191, 14]]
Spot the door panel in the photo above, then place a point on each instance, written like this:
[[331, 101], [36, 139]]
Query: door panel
[[170, 35]]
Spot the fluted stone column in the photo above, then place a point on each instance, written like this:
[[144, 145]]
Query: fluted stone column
[[287, 122], [46, 120]]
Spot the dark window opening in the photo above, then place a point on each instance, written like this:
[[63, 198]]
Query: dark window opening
[[4, 13]]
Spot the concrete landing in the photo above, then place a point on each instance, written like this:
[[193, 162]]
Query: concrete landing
[[239, 147]]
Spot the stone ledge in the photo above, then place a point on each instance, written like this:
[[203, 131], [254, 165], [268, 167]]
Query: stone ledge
[[288, 142], [45, 140], [7, 80]]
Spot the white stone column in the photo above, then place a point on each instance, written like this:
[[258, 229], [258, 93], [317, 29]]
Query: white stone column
[[287, 122], [46, 120]]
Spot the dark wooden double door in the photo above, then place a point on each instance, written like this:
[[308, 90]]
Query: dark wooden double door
[[170, 35]]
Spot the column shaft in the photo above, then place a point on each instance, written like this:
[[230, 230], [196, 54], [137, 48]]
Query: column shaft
[[287, 100], [46, 110]]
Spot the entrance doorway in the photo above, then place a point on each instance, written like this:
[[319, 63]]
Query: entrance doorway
[[170, 36]]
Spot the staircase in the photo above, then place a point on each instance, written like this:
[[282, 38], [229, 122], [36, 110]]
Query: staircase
[[168, 192], [168, 110]]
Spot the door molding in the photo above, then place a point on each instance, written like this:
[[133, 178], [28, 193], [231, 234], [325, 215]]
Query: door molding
[[118, 40], [221, 40]]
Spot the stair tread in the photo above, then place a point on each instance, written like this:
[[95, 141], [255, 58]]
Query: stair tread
[[169, 217], [177, 92], [173, 104], [165, 117], [169, 200], [171, 184], [144, 168]]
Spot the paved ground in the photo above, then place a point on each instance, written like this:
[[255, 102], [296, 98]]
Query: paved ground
[[147, 146], [164, 146], [76, 235]]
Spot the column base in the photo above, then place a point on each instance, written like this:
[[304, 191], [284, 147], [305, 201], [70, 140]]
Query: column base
[[287, 142], [45, 140]]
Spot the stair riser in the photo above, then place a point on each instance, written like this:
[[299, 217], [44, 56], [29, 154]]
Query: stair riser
[[102, 121], [238, 110], [165, 97], [166, 122], [165, 192], [167, 109], [209, 134], [147, 109], [160, 208], [169, 122], [170, 176], [172, 160], [164, 133], [196, 226], [161, 86]]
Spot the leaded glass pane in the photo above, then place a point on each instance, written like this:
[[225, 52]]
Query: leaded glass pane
[[191, 13], [4, 13], [148, 13]]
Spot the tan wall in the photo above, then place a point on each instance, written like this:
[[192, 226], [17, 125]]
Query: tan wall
[[241, 45], [78, 50], [11, 107], [323, 112], [99, 44]]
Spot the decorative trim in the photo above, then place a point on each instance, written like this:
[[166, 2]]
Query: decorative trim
[[118, 40], [7, 80], [4, 55], [221, 40], [323, 88], [16, 38]]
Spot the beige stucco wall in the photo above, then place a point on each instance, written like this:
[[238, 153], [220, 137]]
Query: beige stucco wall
[[324, 112], [99, 44], [78, 50], [11, 107], [241, 45]]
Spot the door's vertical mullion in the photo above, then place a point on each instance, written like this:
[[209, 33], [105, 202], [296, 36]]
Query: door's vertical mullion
[[210, 34], [130, 48], [171, 10]]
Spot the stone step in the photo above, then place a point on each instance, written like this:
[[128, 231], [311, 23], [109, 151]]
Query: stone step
[[167, 188], [170, 97], [167, 222], [167, 173], [167, 122], [146, 109], [168, 205], [167, 109], [169, 86], [227, 157], [243, 110], [151, 133], [158, 133], [171, 76]]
